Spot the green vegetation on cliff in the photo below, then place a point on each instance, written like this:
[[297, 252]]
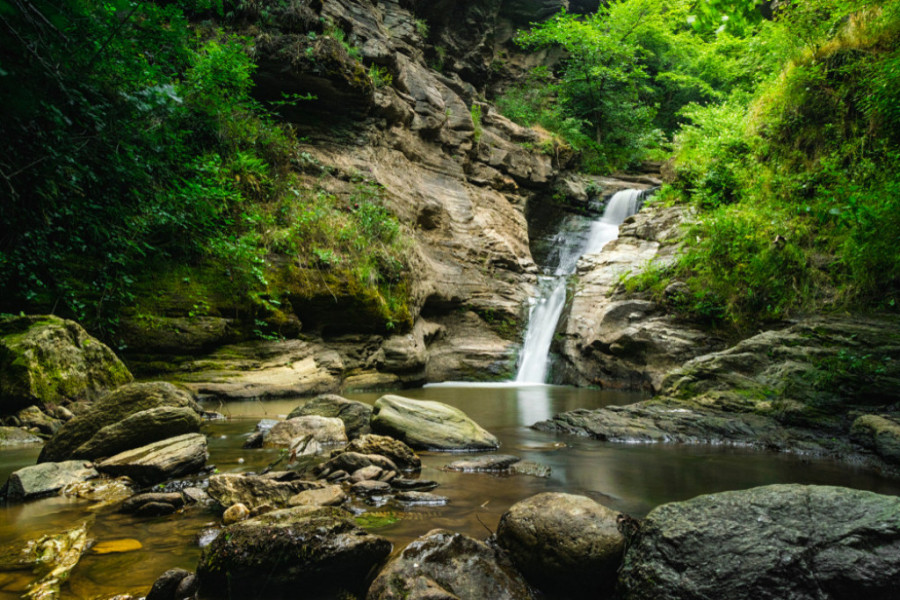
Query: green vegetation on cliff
[[133, 151]]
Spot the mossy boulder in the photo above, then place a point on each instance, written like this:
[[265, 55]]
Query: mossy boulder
[[429, 425], [117, 425], [879, 434], [47, 360], [307, 551], [165, 459]]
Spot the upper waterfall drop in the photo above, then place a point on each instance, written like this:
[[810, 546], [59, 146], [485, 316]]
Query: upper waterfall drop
[[547, 310]]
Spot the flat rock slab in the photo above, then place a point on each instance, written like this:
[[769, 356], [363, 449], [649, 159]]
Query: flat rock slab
[[421, 499], [46, 478], [159, 461], [429, 425], [768, 543], [442, 565], [302, 551], [492, 463]]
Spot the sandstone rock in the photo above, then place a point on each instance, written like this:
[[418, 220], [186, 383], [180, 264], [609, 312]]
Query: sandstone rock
[[324, 430], [160, 460], [234, 513], [45, 479], [880, 434], [111, 410], [429, 425], [350, 462], [319, 550], [139, 429], [48, 360], [255, 491], [355, 415], [779, 541], [444, 565], [563, 542], [399, 453], [331, 495]]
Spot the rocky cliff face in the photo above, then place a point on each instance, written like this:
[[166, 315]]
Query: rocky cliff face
[[456, 173]]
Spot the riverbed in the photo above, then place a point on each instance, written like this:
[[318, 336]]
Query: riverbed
[[632, 478]]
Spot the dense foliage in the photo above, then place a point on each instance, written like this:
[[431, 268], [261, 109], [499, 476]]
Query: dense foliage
[[132, 147]]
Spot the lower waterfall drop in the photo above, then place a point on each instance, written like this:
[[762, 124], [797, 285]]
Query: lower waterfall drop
[[546, 311]]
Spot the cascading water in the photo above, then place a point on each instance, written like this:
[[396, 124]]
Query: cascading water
[[546, 311]]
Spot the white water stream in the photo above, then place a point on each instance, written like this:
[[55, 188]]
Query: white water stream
[[546, 311]]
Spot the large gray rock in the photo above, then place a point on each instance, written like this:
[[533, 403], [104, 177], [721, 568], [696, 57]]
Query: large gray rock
[[140, 429], [46, 478], [319, 550], [563, 542], [355, 415], [399, 453], [255, 491], [429, 425], [160, 460], [113, 411], [444, 565], [773, 542], [48, 360], [324, 430]]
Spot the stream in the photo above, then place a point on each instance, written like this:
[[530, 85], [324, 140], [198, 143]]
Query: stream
[[626, 477]]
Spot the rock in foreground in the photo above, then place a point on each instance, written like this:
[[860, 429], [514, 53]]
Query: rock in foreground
[[46, 478], [563, 542], [303, 551], [773, 542], [429, 425], [442, 565], [159, 461]]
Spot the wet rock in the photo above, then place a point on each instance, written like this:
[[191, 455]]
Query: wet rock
[[111, 410], [355, 415], [421, 498], [350, 462], [53, 557], [254, 440], [153, 504], [255, 491], [444, 565], [531, 469], [139, 429], [14, 436], [400, 483], [118, 546], [429, 425], [34, 418], [319, 550], [491, 463], [563, 542], [159, 461], [103, 492], [323, 430], [880, 434], [331, 495], [779, 541], [401, 454], [48, 360], [366, 473], [235, 513], [370, 487], [44, 479], [197, 495], [174, 584]]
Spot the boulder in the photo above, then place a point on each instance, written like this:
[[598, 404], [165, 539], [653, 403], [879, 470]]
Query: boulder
[[778, 541], [401, 454], [47, 360], [34, 418], [235, 513], [255, 491], [879, 434], [350, 462], [46, 478], [563, 542], [160, 460], [174, 584], [331, 495], [111, 410], [14, 436], [319, 550], [139, 429], [442, 565], [429, 425], [324, 430], [355, 415]]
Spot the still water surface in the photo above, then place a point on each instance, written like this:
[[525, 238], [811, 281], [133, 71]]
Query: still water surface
[[626, 477]]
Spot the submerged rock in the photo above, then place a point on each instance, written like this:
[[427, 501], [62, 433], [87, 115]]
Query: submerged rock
[[159, 461], [48, 360], [53, 557], [355, 415], [563, 542], [773, 542], [320, 551], [442, 565], [429, 425], [46, 478], [116, 421]]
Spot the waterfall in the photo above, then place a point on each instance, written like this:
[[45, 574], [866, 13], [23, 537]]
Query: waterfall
[[546, 311]]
